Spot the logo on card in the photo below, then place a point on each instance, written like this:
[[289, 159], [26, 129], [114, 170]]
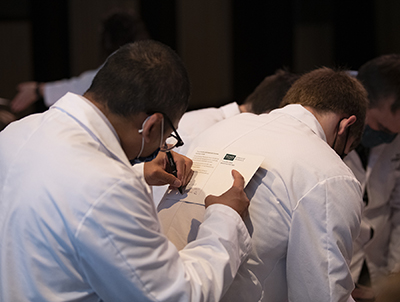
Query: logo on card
[[230, 157]]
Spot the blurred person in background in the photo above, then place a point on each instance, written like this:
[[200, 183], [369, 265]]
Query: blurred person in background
[[118, 28]]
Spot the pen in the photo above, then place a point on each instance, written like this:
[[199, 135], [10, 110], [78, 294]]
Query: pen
[[173, 168]]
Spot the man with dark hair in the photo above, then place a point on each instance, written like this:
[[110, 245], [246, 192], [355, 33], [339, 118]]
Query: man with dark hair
[[306, 204], [126, 86], [266, 97], [117, 29], [269, 93], [77, 223], [376, 164], [121, 26]]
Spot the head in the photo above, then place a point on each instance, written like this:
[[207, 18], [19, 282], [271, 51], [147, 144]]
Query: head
[[381, 79], [270, 92], [334, 93], [142, 81], [121, 27]]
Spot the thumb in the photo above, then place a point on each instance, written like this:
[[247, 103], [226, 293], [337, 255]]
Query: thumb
[[238, 180]]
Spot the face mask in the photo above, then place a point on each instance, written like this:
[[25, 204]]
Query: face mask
[[372, 138], [145, 159], [153, 155]]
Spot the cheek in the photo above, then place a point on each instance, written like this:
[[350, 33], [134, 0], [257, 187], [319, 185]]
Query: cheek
[[372, 119], [349, 145], [395, 122]]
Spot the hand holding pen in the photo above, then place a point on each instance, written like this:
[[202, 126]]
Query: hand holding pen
[[159, 171], [173, 168]]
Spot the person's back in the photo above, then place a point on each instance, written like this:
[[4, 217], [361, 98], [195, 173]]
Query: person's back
[[78, 224], [47, 162], [305, 205], [298, 163]]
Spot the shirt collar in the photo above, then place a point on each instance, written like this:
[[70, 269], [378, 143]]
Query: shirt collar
[[300, 113], [102, 116], [93, 120], [230, 110]]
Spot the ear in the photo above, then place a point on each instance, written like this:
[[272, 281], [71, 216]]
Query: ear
[[346, 123], [152, 127]]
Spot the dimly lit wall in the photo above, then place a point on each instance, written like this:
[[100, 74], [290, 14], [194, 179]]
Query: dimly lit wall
[[228, 46]]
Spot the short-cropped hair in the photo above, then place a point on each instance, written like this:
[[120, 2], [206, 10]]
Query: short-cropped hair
[[327, 90], [270, 92], [145, 76]]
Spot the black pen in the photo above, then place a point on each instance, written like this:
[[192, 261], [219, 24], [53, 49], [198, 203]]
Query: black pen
[[173, 168]]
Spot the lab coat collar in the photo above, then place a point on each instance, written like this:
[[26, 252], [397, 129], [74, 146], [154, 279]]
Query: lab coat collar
[[230, 109], [94, 121], [303, 115]]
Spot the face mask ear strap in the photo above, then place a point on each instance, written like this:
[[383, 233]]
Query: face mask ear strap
[[141, 131], [343, 154], [337, 133], [162, 132], [144, 122]]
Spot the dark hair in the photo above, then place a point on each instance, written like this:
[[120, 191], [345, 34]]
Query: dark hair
[[326, 90], [270, 92], [381, 79], [145, 76], [121, 27]]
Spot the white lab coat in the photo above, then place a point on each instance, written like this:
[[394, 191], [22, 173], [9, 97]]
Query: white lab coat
[[77, 224], [191, 125], [305, 208], [53, 91], [195, 122], [381, 179]]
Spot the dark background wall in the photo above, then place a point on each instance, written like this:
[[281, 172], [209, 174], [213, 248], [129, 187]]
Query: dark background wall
[[228, 46]]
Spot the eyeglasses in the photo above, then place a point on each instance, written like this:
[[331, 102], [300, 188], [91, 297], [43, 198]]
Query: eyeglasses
[[172, 141]]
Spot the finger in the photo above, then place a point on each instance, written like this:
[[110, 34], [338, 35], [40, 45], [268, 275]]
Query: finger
[[186, 172], [188, 177], [168, 179], [180, 167], [183, 166], [238, 180]]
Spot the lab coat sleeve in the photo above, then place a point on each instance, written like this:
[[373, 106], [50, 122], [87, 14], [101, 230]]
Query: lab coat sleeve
[[324, 223], [394, 245], [53, 91], [125, 257]]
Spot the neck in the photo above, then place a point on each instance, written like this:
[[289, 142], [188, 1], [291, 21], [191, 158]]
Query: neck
[[329, 122], [244, 108]]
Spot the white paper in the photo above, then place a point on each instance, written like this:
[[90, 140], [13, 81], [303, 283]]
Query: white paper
[[213, 174]]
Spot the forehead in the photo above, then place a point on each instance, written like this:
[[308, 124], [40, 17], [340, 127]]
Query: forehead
[[382, 118]]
